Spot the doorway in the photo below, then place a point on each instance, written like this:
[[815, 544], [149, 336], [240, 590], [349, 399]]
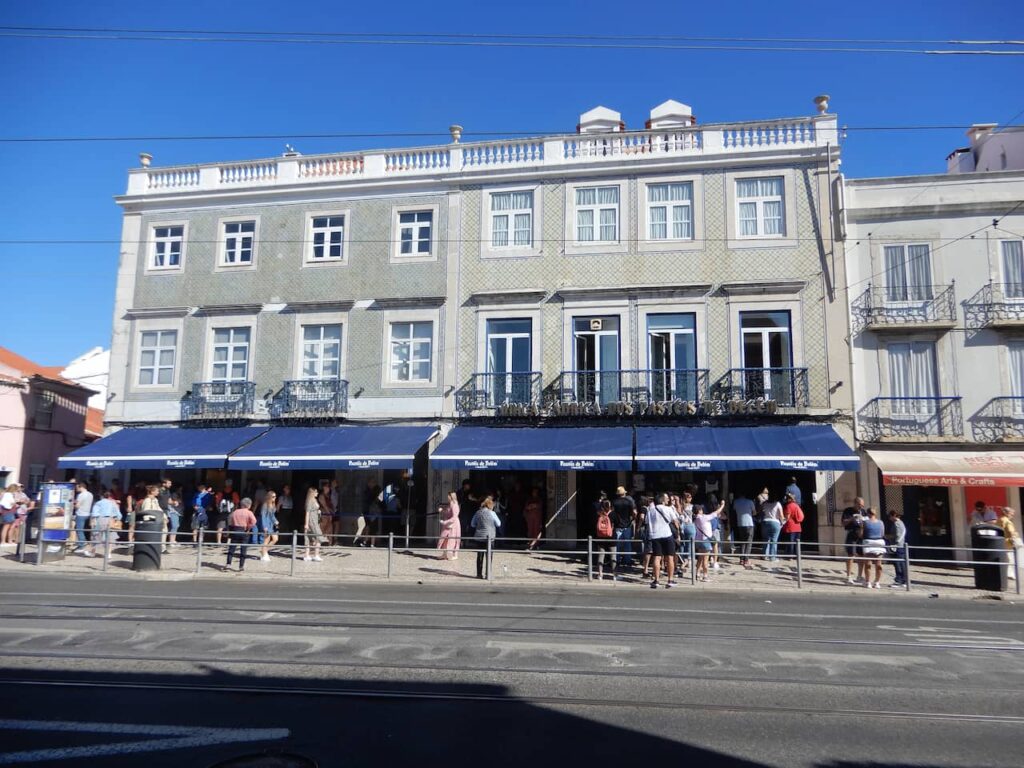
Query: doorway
[[589, 486]]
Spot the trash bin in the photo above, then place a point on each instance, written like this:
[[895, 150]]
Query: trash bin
[[989, 557], [148, 544]]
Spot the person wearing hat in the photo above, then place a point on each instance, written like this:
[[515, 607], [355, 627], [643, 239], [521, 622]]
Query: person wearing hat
[[623, 520]]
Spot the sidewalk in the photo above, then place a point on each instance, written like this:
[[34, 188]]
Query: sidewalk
[[515, 567]]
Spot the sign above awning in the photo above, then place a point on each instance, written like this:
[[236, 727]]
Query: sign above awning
[[558, 448], [950, 468]]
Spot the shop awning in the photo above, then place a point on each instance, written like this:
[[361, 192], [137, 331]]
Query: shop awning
[[951, 468], [356, 447], [583, 448], [162, 448], [807, 447]]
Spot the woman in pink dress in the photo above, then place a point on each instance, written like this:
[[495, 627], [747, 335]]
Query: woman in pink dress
[[451, 529]]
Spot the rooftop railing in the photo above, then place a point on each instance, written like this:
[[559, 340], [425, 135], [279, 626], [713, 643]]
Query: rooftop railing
[[911, 418]]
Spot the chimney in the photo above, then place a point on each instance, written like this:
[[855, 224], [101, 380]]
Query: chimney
[[978, 131], [601, 120], [671, 114]]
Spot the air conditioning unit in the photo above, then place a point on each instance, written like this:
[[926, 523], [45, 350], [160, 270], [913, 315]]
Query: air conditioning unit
[[595, 324]]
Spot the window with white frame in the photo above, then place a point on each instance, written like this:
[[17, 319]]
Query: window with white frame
[[231, 354], [321, 351], [760, 206], [908, 272], [670, 211], [511, 219], [597, 214], [157, 353], [239, 242], [168, 243], [913, 377], [1015, 358], [1012, 252], [411, 351], [415, 233], [328, 238]]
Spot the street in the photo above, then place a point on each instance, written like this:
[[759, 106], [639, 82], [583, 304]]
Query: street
[[112, 672]]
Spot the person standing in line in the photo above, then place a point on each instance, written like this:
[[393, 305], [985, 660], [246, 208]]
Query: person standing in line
[[771, 527], [311, 527], [623, 519], [853, 522], [9, 514], [240, 522], [898, 549], [339, 525], [99, 525], [534, 514], [873, 548], [269, 525], [173, 522], [468, 501], [794, 490], [702, 523], [687, 528], [662, 526], [716, 508], [83, 510], [202, 508], [1013, 540], [450, 539], [326, 511], [285, 509], [485, 524], [604, 540], [792, 526], [743, 509]]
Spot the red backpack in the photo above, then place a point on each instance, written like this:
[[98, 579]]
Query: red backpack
[[604, 526]]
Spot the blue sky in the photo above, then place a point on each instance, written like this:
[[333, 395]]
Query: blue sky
[[59, 297]]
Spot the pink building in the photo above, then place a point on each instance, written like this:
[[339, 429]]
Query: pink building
[[42, 417]]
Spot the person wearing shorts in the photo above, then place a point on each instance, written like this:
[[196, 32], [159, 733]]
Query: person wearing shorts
[[662, 527], [853, 521], [703, 540]]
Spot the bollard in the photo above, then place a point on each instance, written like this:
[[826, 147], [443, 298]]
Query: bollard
[[693, 562], [1016, 570], [22, 538], [906, 563], [391, 548], [799, 567], [490, 560], [294, 539], [106, 550], [199, 550], [407, 534], [39, 543], [590, 558]]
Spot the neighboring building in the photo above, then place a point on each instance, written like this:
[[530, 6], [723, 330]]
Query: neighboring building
[[682, 275], [42, 417], [936, 270], [91, 370], [991, 149]]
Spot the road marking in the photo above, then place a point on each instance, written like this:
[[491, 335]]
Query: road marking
[[838, 659], [551, 648], [176, 737], [967, 638]]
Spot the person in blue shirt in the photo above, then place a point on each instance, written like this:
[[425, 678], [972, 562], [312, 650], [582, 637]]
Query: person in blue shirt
[[794, 490]]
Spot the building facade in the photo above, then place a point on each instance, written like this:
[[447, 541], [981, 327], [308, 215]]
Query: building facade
[[936, 271], [678, 276]]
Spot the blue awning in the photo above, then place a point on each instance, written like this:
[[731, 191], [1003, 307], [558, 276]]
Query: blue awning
[[162, 448], [333, 448], [806, 447], [602, 448]]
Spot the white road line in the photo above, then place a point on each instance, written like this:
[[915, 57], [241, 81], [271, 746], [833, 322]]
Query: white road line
[[182, 737], [551, 648], [295, 599], [842, 659]]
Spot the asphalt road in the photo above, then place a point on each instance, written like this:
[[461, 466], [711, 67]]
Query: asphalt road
[[112, 672]]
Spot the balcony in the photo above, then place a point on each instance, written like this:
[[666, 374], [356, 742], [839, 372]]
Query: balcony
[[311, 400], [1000, 421], [919, 307], [636, 387], [491, 391], [997, 305], [911, 419], [787, 387], [219, 400]]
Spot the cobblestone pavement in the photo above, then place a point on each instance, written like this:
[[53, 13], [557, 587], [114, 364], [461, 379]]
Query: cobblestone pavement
[[556, 569]]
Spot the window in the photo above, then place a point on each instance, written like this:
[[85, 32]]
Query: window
[[1013, 268], [767, 350], [415, 232], [157, 350], [912, 377], [511, 219], [597, 214], [670, 211], [231, 354], [411, 348], [596, 341], [36, 477], [760, 207], [509, 352], [328, 238], [1015, 353], [239, 242], [44, 400], [321, 351], [672, 356], [168, 243], [908, 273]]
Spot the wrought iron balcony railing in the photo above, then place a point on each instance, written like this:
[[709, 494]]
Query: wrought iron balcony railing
[[488, 391], [911, 418], [897, 307], [997, 305], [219, 400], [1000, 421], [636, 386], [310, 399], [787, 387]]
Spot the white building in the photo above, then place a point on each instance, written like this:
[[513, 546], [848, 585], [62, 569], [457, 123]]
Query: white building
[[91, 370], [936, 293]]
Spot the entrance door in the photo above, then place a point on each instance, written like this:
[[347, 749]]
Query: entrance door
[[596, 342], [767, 356], [508, 361], [927, 517], [673, 357], [588, 490]]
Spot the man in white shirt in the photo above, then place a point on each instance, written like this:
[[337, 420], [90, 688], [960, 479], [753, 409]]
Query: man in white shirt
[[983, 514], [662, 524], [83, 509]]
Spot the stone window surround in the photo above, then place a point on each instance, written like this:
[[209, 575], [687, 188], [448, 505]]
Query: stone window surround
[[767, 303], [318, 318], [697, 210], [571, 246], [307, 245], [508, 313], [220, 265], [397, 257], [695, 307], [603, 308], [228, 320], [487, 251], [150, 249], [174, 322], [789, 191], [414, 315], [945, 363]]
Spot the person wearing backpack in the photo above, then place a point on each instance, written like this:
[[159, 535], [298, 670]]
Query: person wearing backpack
[[226, 501], [604, 541], [792, 527]]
